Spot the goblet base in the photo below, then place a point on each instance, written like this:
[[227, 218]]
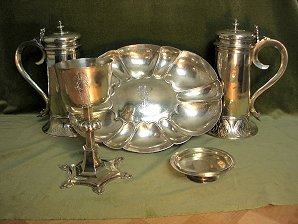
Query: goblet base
[[105, 173]]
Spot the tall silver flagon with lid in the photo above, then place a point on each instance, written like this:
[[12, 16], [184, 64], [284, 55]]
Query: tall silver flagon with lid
[[59, 46], [236, 50]]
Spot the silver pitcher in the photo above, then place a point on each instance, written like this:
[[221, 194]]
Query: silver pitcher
[[236, 50], [57, 47]]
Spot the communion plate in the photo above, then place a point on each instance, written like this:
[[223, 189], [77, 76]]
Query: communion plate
[[159, 96], [202, 164]]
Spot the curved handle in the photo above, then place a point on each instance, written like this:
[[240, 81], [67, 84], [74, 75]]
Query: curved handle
[[283, 65], [18, 62]]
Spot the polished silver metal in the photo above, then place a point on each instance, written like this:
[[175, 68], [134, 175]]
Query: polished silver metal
[[98, 182], [236, 51], [85, 83], [234, 127], [160, 96], [202, 164], [59, 46]]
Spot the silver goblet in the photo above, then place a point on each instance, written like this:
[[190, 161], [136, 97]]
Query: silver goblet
[[85, 83]]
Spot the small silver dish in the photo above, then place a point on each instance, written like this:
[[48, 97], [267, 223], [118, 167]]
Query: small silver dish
[[202, 164]]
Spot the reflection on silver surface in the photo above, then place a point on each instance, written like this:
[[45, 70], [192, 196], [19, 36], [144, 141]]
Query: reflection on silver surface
[[236, 51], [85, 83], [56, 47], [160, 96], [202, 164]]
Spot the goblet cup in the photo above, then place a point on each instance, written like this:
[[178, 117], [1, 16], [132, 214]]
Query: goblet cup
[[85, 83]]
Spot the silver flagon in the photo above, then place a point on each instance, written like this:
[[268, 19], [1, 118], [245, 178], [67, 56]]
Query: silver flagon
[[236, 51]]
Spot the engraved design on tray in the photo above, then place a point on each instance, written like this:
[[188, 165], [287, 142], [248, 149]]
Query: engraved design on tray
[[159, 96]]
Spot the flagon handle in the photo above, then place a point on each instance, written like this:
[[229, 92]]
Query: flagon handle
[[18, 62], [265, 42]]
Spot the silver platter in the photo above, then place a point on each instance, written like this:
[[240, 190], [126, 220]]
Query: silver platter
[[160, 96], [202, 164]]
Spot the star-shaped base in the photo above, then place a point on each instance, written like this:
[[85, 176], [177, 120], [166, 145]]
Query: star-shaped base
[[107, 172]]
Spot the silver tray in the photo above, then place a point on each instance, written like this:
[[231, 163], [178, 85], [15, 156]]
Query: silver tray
[[202, 164], [160, 96]]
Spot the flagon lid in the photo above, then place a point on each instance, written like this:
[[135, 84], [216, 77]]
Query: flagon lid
[[62, 40], [235, 38]]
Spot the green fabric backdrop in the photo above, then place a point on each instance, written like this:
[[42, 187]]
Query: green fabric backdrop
[[110, 24], [265, 173]]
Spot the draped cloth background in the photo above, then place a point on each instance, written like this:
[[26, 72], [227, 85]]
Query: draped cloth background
[[110, 24]]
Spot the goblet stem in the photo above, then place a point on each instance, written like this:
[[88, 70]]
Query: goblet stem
[[87, 111], [91, 160]]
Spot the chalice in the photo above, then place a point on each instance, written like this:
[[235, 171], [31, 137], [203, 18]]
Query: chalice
[[85, 83]]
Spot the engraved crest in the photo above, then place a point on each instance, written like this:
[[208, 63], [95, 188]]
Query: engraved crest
[[143, 93], [82, 86]]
